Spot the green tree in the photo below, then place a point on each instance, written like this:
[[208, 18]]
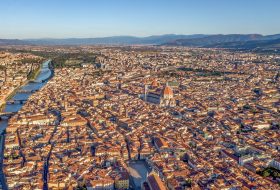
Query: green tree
[[266, 173]]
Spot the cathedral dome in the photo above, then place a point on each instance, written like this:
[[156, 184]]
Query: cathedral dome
[[167, 92]]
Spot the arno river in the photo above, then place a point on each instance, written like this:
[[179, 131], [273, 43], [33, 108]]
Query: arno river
[[22, 94], [28, 89]]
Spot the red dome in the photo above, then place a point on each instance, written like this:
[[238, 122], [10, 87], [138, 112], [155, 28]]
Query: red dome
[[167, 92]]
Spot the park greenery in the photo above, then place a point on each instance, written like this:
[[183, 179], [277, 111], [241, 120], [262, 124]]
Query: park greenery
[[73, 60], [62, 59], [205, 72], [270, 172], [33, 73], [30, 60]]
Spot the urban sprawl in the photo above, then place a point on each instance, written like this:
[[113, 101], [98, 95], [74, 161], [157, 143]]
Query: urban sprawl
[[143, 117]]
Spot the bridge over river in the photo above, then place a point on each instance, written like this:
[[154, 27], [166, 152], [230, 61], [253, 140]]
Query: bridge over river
[[15, 104], [27, 91], [6, 115]]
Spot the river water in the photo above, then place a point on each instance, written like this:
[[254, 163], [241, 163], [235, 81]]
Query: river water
[[38, 83]]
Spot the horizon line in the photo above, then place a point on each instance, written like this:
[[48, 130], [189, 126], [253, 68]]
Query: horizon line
[[135, 36]]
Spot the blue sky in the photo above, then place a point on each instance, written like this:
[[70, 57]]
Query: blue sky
[[95, 18]]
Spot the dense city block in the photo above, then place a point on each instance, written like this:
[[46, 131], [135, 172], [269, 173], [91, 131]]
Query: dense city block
[[143, 117]]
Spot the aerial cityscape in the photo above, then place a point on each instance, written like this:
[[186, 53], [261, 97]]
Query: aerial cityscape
[[148, 107]]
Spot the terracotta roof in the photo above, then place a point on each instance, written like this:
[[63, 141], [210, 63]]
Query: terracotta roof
[[154, 83], [167, 91], [155, 183]]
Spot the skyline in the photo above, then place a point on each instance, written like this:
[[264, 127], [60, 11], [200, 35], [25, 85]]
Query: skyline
[[139, 94], [88, 19]]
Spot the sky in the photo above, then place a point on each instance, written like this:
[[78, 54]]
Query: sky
[[25, 19]]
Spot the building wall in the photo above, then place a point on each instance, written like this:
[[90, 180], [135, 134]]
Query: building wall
[[122, 184]]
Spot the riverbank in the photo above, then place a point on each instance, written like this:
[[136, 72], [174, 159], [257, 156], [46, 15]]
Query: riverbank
[[2, 106], [50, 65], [43, 76], [11, 94], [34, 74]]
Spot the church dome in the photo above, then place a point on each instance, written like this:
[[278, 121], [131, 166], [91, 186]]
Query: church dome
[[167, 92]]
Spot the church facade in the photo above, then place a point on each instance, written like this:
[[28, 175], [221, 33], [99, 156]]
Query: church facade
[[164, 97]]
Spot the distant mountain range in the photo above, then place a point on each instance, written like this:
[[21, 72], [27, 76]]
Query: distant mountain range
[[196, 40], [255, 44], [12, 42], [229, 41], [119, 40]]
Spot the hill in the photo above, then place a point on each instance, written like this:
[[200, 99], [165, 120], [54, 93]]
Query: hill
[[117, 40], [267, 44], [215, 39], [12, 42], [196, 40]]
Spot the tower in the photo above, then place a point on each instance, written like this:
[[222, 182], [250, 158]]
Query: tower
[[145, 93], [126, 112], [276, 77]]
